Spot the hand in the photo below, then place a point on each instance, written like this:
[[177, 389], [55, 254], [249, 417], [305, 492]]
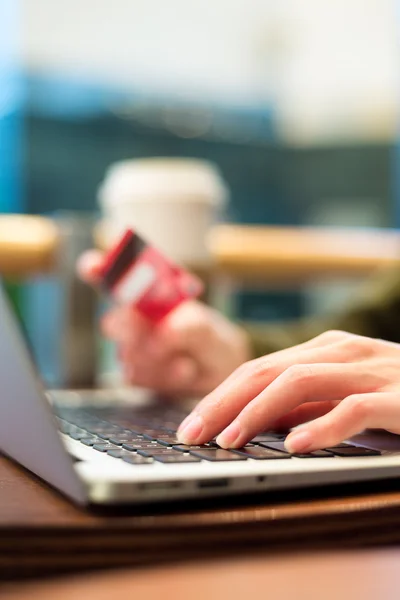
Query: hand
[[336, 384], [190, 352]]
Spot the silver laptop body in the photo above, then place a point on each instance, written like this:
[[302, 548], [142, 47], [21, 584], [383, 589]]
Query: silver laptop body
[[37, 430]]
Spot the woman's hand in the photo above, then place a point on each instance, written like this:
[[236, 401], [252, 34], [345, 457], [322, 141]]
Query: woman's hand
[[190, 352], [338, 384]]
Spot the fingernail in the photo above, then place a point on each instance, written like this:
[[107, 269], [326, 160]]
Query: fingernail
[[298, 441], [190, 430], [185, 422], [229, 436]]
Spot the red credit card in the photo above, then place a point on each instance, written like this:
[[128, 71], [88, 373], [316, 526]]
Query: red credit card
[[136, 273]]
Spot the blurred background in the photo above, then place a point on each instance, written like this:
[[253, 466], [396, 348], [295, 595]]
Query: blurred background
[[295, 102]]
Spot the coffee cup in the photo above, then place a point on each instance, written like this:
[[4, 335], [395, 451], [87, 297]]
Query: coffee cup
[[172, 202]]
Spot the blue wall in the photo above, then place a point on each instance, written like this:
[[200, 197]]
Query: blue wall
[[11, 107]]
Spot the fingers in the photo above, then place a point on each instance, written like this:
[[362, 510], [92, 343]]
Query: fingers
[[126, 326], [186, 337], [178, 332], [145, 347], [176, 376], [161, 357], [89, 266], [250, 378], [224, 404], [302, 414], [354, 414], [291, 355], [175, 334], [151, 357], [297, 385]]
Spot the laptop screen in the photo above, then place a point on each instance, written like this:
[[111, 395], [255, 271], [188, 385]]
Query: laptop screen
[[28, 431]]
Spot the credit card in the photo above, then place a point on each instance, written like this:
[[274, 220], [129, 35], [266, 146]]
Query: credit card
[[134, 272]]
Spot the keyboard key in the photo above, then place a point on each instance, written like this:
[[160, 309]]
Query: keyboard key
[[158, 452], [215, 445], [135, 459], [354, 451], [125, 440], [79, 434], [140, 446], [170, 441], [280, 447], [102, 436], [147, 444], [63, 426], [100, 431], [217, 455], [119, 453], [177, 457], [259, 453], [135, 431], [315, 454], [185, 448], [268, 437], [170, 427], [91, 441], [118, 441], [343, 445], [274, 446], [152, 434], [104, 447], [121, 431]]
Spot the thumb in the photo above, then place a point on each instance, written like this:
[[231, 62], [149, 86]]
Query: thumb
[[89, 266]]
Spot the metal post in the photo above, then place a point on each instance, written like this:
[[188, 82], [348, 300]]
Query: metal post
[[78, 355]]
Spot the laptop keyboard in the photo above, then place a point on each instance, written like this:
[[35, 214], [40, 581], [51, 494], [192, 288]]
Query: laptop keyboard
[[142, 436]]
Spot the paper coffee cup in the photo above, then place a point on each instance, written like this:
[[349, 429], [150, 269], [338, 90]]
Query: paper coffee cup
[[171, 202]]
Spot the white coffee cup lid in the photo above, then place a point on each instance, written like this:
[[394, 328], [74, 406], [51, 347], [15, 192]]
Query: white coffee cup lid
[[160, 179]]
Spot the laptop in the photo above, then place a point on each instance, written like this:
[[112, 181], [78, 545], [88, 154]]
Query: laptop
[[106, 448]]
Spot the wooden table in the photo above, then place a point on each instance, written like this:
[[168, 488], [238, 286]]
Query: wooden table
[[43, 534], [292, 255], [372, 575], [28, 245]]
